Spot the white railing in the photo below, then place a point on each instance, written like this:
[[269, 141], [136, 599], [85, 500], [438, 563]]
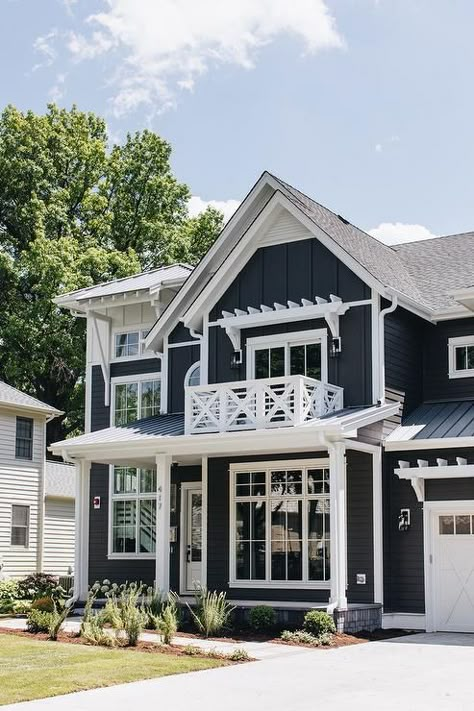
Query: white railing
[[258, 404]]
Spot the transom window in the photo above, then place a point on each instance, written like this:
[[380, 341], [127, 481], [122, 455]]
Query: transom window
[[20, 531], [461, 357], [136, 399], [193, 376], [456, 525], [133, 526], [24, 438], [129, 344], [302, 353], [281, 529]]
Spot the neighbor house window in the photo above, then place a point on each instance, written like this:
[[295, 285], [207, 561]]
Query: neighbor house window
[[136, 399], [24, 438], [20, 526], [301, 353], [133, 511], [129, 344], [461, 357], [280, 524]]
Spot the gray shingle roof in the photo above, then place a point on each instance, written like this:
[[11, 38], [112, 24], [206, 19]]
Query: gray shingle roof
[[60, 480], [437, 420], [15, 398]]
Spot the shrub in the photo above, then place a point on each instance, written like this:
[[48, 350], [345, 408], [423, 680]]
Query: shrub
[[152, 605], [318, 622], [168, 621], [45, 604], [300, 637], [191, 650], [38, 621], [123, 613], [56, 620], [37, 585], [239, 655], [212, 611], [262, 618], [8, 590], [94, 633], [21, 607], [6, 607]]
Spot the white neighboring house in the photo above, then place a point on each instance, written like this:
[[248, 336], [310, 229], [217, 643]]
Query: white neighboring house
[[36, 497]]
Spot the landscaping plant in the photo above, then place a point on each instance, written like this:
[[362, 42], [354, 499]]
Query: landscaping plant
[[262, 618], [167, 621], [45, 604], [318, 622], [38, 621], [37, 585], [123, 612], [212, 611], [303, 637]]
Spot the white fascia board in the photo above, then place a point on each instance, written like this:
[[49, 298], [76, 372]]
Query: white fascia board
[[48, 412], [369, 416], [420, 444]]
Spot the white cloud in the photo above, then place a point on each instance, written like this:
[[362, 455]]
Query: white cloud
[[57, 90], [379, 147], [45, 45], [398, 232], [167, 44], [228, 207]]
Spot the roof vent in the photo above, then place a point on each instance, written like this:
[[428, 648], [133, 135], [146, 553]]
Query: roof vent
[[343, 219]]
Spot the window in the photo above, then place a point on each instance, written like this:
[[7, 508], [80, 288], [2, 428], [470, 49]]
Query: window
[[461, 357], [302, 353], [24, 438], [20, 526], [129, 344], [136, 399], [459, 525], [133, 511], [280, 529], [193, 376]]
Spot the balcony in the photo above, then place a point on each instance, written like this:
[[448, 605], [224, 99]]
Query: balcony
[[258, 404]]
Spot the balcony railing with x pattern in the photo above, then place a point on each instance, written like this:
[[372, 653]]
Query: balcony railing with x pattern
[[259, 404]]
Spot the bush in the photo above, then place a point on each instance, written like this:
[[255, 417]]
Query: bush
[[21, 607], [94, 633], [192, 650], [38, 621], [124, 614], [300, 637], [168, 621], [212, 611], [56, 620], [317, 623], [8, 590], [45, 604], [239, 655], [262, 618], [37, 585]]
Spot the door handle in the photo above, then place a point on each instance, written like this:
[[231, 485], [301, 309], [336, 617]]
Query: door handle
[[188, 554]]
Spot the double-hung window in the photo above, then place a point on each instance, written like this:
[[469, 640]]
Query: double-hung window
[[133, 511], [299, 353], [135, 398], [130, 344], [461, 357], [20, 531], [24, 438], [280, 532]]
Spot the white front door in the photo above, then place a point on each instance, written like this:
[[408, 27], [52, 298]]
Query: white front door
[[192, 537], [453, 570]]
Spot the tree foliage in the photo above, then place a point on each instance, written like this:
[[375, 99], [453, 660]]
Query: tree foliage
[[72, 214]]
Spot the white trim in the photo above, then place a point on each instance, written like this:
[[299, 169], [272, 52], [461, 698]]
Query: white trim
[[122, 330], [450, 471], [338, 524], [204, 521], [453, 344], [81, 552], [187, 486], [164, 359], [205, 351], [126, 379], [192, 367], [183, 344], [430, 510], [268, 583], [403, 621], [285, 340], [440, 443], [377, 513], [163, 484], [378, 386]]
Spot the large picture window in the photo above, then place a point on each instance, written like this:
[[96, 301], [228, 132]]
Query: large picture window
[[133, 511], [280, 530], [300, 353], [136, 399]]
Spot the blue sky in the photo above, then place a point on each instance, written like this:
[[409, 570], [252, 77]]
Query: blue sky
[[366, 105]]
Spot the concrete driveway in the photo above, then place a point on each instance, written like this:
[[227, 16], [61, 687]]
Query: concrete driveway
[[423, 671]]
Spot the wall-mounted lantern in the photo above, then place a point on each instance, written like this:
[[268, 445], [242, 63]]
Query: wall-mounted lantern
[[236, 360], [404, 520], [335, 347]]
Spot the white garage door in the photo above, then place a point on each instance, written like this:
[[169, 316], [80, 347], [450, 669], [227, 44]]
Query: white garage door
[[453, 564]]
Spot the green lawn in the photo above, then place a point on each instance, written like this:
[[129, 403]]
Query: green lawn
[[31, 669]]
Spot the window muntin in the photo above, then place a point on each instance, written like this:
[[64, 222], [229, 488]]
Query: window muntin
[[129, 344], [24, 438], [281, 525], [133, 525], [302, 353], [20, 531], [461, 357], [136, 400], [456, 525]]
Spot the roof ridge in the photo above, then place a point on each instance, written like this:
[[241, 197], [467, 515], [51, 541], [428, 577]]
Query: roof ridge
[[430, 239]]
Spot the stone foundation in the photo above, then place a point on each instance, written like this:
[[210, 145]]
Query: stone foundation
[[358, 618]]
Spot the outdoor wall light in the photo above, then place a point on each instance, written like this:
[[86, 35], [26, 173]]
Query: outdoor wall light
[[404, 520], [335, 347], [236, 359]]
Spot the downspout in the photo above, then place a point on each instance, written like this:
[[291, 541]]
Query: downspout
[[388, 310]]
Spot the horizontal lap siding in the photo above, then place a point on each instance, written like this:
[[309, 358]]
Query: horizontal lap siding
[[58, 551]]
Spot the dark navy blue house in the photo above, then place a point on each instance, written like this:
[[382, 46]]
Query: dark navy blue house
[[291, 421]]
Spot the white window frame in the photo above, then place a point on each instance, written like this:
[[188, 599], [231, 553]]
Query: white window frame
[[122, 330], [454, 343], [268, 583], [27, 527], [123, 380], [285, 340], [128, 497], [189, 372]]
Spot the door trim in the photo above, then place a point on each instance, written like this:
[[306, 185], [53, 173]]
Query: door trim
[[430, 510], [185, 487]]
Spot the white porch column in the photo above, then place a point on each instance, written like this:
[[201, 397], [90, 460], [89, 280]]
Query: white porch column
[[81, 553], [163, 486], [338, 514]]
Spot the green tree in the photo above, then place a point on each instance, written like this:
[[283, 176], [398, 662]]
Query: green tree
[[73, 214]]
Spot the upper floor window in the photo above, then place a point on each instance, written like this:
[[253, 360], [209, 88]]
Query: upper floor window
[[193, 376], [24, 438], [129, 344], [133, 521], [20, 531], [461, 357], [136, 398], [301, 353]]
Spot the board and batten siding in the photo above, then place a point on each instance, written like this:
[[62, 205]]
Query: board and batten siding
[[19, 484], [437, 383], [58, 548]]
